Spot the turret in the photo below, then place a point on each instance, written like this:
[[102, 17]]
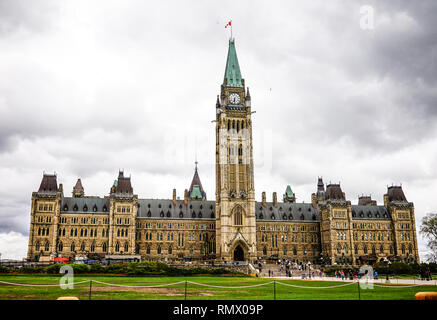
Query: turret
[[78, 190]]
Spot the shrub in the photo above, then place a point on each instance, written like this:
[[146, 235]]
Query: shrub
[[97, 268], [53, 269], [80, 268], [4, 269]]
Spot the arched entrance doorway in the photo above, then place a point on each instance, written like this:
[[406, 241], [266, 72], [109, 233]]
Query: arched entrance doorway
[[238, 253]]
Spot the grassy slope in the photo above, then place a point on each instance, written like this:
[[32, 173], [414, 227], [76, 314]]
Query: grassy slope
[[195, 292]]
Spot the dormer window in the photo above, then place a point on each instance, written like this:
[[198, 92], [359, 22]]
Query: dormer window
[[65, 208], [284, 217], [181, 214], [85, 208], [168, 214], [273, 217], [212, 214], [75, 208], [149, 214], [200, 214], [95, 208], [193, 214], [104, 208], [161, 214], [302, 217], [290, 217]]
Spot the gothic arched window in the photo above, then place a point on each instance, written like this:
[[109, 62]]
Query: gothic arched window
[[238, 218]]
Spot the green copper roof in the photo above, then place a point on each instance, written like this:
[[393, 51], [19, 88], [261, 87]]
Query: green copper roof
[[288, 192], [196, 194], [232, 72]]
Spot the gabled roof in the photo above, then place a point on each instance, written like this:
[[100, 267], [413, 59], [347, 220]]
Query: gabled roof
[[232, 72], [48, 183], [334, 192], [395, 193], [78, 185], [196, 183], [123, 185], [288, 192]]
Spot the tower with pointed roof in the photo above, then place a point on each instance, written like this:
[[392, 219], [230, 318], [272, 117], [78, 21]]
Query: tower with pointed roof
[[196, 191], [235, 198], [78, 190]]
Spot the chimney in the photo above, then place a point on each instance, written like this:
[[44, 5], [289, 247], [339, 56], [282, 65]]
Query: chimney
[[275, 200], [174, 197], [186, 197], [264, 203], [61, 188]]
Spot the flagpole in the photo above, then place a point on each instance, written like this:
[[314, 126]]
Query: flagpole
[[231, 29]]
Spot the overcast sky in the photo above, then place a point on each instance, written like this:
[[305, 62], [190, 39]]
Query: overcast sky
[[91, 87]]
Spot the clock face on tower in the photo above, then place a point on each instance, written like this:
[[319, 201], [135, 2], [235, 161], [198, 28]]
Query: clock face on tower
[[234, 98]]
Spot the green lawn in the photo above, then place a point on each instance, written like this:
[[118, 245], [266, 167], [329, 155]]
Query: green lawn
[[195, 292]]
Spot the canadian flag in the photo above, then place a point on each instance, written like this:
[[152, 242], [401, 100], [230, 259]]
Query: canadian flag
[[228, 24]]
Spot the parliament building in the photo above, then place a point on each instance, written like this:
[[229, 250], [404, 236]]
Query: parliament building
[[233, 227]]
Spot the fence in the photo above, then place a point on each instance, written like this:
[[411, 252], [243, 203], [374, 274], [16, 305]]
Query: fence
[[187, 285]]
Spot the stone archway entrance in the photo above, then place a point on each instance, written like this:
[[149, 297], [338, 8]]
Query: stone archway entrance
[[238, 253]]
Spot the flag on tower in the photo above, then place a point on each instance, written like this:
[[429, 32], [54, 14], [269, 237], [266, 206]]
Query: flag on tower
[[228, 24]]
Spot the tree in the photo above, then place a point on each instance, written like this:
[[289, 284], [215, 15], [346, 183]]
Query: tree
[[429, 230]]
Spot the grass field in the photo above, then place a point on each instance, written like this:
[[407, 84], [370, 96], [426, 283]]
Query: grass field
[[195, 292]]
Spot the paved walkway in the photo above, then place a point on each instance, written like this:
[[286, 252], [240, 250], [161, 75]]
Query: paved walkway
[[379, 281]]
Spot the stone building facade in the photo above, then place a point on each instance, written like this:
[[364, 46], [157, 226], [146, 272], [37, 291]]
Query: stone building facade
[[234, 226]]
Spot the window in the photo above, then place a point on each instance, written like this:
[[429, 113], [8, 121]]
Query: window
[[37, 246], [46, 246], [365, 249], [126, 247], [170, 250], [117, 247], [238, 218], [60, 246], [93, 247], [148, 250], [104, 247], [159, 249]]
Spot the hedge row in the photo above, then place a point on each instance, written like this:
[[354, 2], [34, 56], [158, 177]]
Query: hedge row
[[137, 269]]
